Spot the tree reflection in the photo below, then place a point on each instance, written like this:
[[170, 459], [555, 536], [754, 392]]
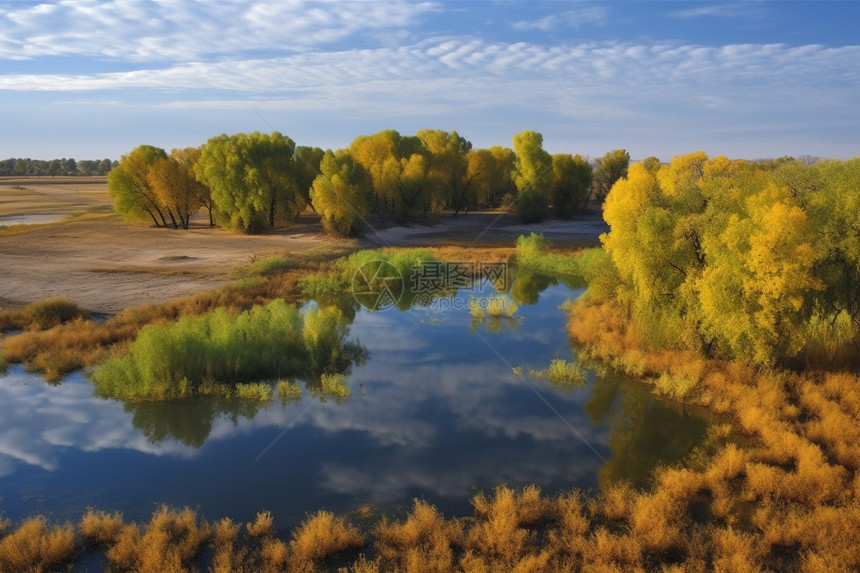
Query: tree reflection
[[188, 421], [645, 432]]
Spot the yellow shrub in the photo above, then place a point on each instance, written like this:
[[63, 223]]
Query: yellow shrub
[[425, 540], [33, 546], [321, 535], [100, 527]]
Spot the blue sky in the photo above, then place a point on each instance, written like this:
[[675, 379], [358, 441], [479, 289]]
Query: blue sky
[[95, 78]]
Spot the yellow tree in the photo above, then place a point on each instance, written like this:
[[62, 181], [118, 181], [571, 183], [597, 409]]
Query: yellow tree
[[129, 186], [340, 194], [532, 175]]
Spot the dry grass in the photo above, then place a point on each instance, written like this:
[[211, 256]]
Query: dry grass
[[33, 546], [424, 542], [99, 527], [169, 543], [320, 536]]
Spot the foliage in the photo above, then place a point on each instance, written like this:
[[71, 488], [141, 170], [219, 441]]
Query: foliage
[[738, 259], [24, 166], [40, 315], [341, 194], [571, 184], [184, 358], [34, 546], [607, 170], [130, 186], [532, 175], [252, 177], [534, 254], [562, 374], [149, 184]]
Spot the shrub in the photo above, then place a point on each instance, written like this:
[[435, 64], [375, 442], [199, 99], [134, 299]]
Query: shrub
[[258, 391], [99, 527], [425, 541], [320, 536], [289, 391], [532, 206], [179, 359], [35, 547], [532, 246], [562, 374], [40, 315]]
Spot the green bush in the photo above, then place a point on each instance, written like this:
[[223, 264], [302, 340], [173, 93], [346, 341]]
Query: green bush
[[190, 355], [562, 374], [532, 207]]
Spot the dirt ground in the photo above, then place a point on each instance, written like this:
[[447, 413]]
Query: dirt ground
[[94, 259]]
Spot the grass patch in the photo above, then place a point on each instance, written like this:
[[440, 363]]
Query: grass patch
[[259, 391], [263, 267], [178, 360], [534, 253], [562, 374], [40, 315], [289, 391]]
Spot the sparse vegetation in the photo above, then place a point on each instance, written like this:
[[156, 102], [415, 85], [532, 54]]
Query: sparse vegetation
[[40, 315], [562, 374]]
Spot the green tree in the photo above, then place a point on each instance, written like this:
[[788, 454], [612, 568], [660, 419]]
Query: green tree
[[129, 185], [340, 194], [252, 180], [607, 170], [307, 167], [571, 182], [532, 176]]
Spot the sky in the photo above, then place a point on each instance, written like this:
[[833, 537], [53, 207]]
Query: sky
[[91, 79]]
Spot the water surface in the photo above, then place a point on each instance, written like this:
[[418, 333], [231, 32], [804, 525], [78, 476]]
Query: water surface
[[435, 412]]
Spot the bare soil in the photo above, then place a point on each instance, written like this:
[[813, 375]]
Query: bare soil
[[103, 264]]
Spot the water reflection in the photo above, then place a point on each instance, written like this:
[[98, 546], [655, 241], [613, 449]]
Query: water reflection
[[644, 432], [433, 413]]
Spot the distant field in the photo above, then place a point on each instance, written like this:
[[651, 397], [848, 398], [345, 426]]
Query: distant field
[[53, 195], [91, 257]]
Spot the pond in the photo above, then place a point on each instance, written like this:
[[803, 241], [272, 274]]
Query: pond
[[435, 412], [28, 220]]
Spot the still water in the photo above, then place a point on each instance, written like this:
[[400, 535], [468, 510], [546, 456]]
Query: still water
[[435, 412]]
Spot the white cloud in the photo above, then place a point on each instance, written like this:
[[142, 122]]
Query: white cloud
[[731, 10], [168, 30], [38, 421], [568, 19]]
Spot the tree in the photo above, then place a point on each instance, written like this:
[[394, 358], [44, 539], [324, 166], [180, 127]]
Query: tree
[[452, 185], [398, 169], [340, 194], [307, 167], [129, 185], [532, 176], [173, 180], [607, 170], [571, 182], [252, 180]]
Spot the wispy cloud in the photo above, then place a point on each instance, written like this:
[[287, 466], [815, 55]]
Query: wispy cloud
[[166, 30], [569, 19], [732, 10]]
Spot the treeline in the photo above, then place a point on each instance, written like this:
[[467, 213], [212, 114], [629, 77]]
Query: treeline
[[255, 182], [24, 167], [758, 261]]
